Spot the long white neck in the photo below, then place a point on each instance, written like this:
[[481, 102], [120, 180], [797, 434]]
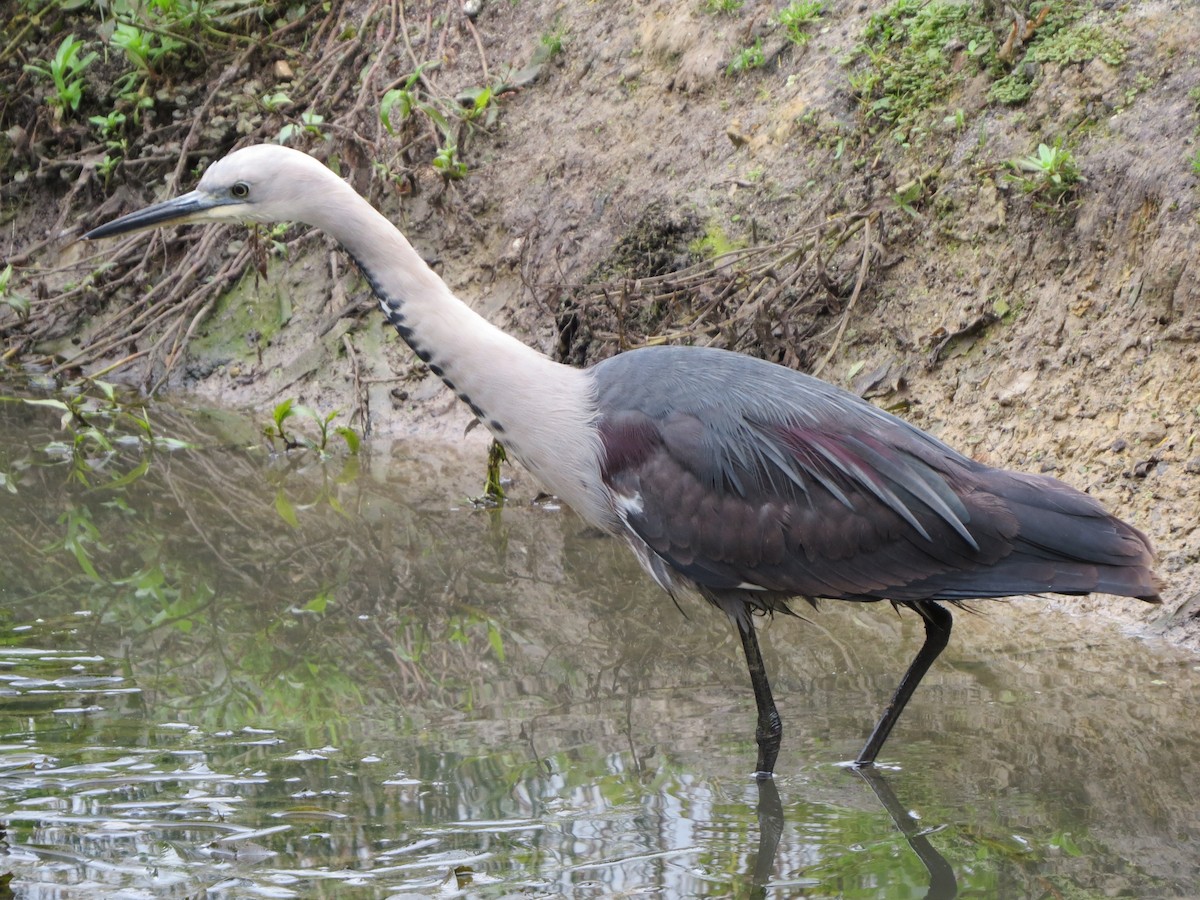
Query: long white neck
[[541, 411]]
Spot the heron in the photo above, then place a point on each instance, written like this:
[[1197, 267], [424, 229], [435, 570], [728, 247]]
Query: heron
[[747, 482]]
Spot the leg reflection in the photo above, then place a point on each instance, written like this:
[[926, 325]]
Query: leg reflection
[[942, 883], [770, 828]]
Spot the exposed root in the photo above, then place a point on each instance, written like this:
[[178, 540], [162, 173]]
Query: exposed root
[[765, 299], [189, 270]]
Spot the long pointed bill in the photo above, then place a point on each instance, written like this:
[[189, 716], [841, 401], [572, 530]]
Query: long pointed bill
[[191, 207]]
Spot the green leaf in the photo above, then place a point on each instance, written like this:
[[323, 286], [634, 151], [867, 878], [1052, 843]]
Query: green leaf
[[396, 101], [283, 411], [53, 404], [286, 511], [1068, 846], [350, 436], [496, 640], [170, 443], [307, 412], [67, 413], [128, 478], [318, 603]]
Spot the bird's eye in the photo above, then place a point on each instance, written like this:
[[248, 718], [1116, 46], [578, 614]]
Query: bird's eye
[[240, 189]]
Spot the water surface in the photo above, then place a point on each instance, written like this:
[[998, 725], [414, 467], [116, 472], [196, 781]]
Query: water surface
[[250, 674]]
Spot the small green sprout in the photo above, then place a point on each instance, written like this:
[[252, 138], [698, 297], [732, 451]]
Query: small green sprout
[[18, 303], [1051, 172], [448, 165], [66, 71], [294, 440], [749, 58], [722, 7], [798, 17]]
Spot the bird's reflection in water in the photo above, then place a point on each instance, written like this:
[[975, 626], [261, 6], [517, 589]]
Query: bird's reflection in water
[[942, 883], [770, 829]]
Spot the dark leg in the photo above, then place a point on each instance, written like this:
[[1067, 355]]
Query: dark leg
[[938, 622], [769, 732]]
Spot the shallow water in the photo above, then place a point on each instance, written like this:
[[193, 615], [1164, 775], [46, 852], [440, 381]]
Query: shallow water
[[259, 675]]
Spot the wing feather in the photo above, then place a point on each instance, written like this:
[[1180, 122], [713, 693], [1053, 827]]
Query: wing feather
[[799, 488]]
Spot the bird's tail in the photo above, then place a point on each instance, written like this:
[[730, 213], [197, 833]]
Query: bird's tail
[[1065, 543]]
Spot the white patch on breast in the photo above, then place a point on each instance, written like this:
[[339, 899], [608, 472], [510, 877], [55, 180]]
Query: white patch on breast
[[627, 505]]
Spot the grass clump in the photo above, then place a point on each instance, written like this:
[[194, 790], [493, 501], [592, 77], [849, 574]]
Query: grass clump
[[65, 72], [1011, 90], [1079, 43], [798, 17], [748, 58], [908, 70], [1056, 35], [722, 7]]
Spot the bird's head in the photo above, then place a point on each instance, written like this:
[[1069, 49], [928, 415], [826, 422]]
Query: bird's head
[[262, 183]]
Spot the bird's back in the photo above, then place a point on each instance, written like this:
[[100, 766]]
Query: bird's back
[[741, 475]]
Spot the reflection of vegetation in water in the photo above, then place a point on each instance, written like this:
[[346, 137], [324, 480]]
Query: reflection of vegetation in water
[[602, 730], [183, 557], [97, 426]]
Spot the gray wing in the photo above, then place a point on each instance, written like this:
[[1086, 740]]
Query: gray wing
[[743, 475]]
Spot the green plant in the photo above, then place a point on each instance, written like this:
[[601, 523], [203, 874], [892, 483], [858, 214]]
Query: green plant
[[469, 109], [1012, 89], [477, 103], [112, 132], [66, 72], [1194, 159], [277, 101], [181, 16], [797, 17], [551, 44], [722, 7], [907, 70], [399, 105], [110, 126], [907, 195], [1051, 173], [448, 165], [1078, 43], [18, 303], [458, 630], [957, 120], [749, 58], [493, 487], [99, 425], [144, 49], [310, 123], [294, 440]]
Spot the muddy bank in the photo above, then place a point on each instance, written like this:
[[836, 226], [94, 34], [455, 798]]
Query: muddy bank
[[620, 147]]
